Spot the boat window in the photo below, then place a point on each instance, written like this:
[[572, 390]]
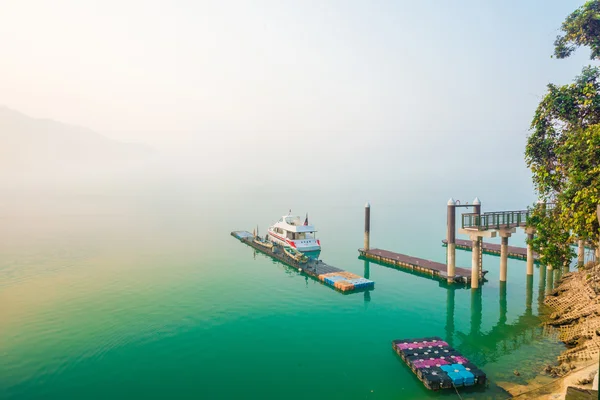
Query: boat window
[[290, 235]]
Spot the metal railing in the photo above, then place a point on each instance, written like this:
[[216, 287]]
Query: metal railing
[[495, 220]]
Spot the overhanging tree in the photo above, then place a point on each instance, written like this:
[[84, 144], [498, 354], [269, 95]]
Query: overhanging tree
[[563, 150]]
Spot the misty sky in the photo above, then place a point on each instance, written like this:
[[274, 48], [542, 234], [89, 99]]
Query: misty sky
[[226, 79]]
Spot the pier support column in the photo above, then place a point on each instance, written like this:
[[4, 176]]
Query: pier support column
[[367, 226], [503, 258], [476, 237], [504, 234], [530, 259], [580, 253], [451, 239]]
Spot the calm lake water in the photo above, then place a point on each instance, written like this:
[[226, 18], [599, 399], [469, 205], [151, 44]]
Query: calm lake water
[[138, 291]]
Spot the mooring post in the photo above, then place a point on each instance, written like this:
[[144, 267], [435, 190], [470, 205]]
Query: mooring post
[[451, 239], [477, 210], [475, 263], [367, 225], [477, 207]]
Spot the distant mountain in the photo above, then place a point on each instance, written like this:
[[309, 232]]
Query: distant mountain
[[32, 146]]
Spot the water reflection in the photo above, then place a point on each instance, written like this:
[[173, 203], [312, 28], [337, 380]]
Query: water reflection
[[502, 338], [476, 310], [542, 284], [449, 328], [529, 295], [367, 274], [503, 304], [549, 280]]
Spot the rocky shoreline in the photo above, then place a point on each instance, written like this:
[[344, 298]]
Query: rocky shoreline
[[575, 303]]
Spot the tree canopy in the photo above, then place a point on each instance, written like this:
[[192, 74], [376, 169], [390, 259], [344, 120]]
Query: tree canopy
[[563, 149], [581, 28]]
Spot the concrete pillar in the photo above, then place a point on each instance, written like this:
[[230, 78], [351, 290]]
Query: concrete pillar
[[451, 239], [580, 253], [503, 258], [367, 226], [475, 263], [504, 234], [529, 252]]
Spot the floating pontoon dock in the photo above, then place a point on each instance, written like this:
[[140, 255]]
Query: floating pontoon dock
[[343, 281], [435, 269], [438, 365], [491, 248]]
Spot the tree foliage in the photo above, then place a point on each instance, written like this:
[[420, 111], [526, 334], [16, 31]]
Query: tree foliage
[[563, 150], [581, 28], [551, 240], [563, 112]]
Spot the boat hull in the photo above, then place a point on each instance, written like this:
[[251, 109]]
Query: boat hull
[[308, 245]]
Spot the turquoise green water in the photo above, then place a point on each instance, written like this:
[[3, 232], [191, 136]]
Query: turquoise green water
[[131, 292]]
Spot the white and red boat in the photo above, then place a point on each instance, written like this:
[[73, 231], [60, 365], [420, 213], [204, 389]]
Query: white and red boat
[[292, 231]]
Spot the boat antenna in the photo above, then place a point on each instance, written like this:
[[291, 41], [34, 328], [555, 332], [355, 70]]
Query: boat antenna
[[257, 230]]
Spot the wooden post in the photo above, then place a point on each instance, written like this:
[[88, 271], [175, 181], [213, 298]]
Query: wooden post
[[451, 239], [367, 225], [475, 263]]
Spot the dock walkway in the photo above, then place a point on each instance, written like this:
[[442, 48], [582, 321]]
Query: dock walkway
[[337, 278], [435, 269], [492, 248]]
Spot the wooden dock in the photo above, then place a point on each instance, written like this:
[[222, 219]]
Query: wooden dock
[[519, 253], [433, 268], [343, 281]]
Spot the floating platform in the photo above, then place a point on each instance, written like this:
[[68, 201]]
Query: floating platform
[[434, 269], [345, 282], [438, 365], [519, 253]]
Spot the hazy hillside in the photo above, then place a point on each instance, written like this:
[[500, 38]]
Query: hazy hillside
[[31, 147]]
